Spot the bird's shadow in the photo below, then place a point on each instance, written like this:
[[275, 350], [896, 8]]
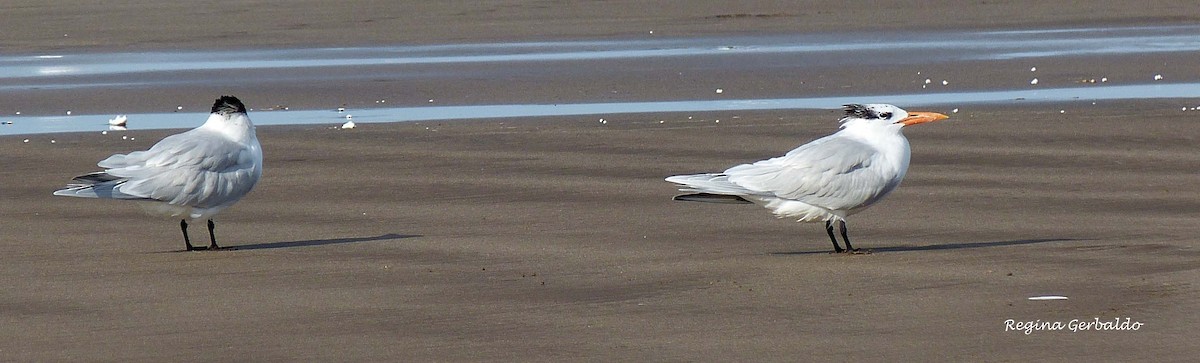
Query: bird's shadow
[[318, 242], [948, 246], [306, 243]]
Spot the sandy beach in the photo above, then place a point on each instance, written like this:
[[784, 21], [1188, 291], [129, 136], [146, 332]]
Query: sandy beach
[[555, 239]]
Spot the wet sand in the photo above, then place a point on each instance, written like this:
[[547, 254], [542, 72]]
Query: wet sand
[[555, 239], [132, 25]]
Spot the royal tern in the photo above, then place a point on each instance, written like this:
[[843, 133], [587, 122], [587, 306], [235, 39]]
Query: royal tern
[[192, 176], [827, 179]]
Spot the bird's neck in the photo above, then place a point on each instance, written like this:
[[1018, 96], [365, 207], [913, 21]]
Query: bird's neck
[[869, 131], [886, 138], [236, 127]]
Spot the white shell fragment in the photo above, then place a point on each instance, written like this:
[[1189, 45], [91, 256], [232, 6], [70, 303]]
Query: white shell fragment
[[120, 120], [1047, 297]]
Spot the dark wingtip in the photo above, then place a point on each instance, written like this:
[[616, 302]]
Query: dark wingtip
[[711, 198], [228, 105]]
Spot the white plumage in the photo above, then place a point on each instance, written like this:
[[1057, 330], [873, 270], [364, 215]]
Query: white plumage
[[825, 180], [120, 120], [191, 176]]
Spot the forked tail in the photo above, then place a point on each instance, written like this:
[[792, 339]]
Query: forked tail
[[96, 185], [709, 188]]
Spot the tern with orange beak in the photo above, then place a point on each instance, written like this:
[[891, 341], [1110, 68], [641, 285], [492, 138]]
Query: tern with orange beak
[[826, 180]]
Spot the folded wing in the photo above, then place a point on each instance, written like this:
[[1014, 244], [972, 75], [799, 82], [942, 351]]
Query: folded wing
[[183, 169], [833, 173]]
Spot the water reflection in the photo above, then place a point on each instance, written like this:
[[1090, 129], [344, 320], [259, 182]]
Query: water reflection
[[894, 47], [35, 125], [57, 75]]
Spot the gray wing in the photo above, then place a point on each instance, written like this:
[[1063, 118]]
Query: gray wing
[[832, 172], [196, 168]]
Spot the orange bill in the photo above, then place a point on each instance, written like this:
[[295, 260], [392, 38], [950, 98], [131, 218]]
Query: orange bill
[[917, 117]]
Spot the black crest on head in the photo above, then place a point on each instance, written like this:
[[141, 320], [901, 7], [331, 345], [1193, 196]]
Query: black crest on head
[[228, 105], [860, 111]]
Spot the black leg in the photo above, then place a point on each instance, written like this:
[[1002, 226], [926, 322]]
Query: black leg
[[187, 241], [845, 238], [213, 237], [829, 229]]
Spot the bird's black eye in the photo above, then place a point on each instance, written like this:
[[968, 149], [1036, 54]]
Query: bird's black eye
[[885, 115]]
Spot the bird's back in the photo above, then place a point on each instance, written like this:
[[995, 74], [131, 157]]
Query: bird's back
[[196, 173]]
